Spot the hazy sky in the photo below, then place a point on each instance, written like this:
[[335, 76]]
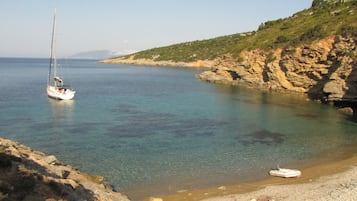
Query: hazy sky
[[122, 25]]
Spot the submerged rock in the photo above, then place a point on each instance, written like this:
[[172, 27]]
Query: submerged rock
[[262, 137]]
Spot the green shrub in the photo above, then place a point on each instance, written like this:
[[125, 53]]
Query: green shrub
[[315, 33], [281, 39], [351, 54], [270, 58], [348, 31]]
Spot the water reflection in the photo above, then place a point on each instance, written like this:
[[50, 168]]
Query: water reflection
[[62, 111], [259, 97]]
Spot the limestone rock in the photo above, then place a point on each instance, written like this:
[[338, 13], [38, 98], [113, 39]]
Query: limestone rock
[[50, 159], [334, 89], [325, 69]]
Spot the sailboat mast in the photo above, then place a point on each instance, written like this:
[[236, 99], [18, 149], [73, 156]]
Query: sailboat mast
[[53, 61]]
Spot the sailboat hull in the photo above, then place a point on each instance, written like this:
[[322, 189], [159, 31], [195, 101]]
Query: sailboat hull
[[60, 93]]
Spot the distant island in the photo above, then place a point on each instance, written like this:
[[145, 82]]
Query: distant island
[[312, 52], [96, 54]]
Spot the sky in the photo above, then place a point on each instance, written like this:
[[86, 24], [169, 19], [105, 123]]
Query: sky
[[125, 26]]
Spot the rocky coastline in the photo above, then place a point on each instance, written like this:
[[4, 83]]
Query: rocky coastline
[[325, 70], [31, 175]]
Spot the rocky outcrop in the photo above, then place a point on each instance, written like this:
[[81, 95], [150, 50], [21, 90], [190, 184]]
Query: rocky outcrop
[[325, 70], [31, 175]]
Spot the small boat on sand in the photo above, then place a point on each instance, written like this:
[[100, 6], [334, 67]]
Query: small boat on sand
[[285, 173]]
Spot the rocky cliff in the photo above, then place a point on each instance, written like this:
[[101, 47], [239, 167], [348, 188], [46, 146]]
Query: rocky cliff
[[325, 70]]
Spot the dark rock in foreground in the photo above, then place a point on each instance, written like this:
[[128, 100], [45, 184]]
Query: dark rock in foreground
[[31, 175]]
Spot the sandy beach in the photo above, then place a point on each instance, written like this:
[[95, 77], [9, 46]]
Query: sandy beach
[[342, 186], [329, 180]]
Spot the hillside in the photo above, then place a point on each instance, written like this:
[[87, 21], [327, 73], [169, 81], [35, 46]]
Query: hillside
[[312, 52], [303, 27]]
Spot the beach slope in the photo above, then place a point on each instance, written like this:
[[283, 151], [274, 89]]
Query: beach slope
[[341, 186]]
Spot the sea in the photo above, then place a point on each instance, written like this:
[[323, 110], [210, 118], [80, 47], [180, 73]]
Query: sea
[[157, 130]]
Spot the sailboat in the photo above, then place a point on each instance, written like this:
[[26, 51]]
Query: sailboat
[[55, 84]]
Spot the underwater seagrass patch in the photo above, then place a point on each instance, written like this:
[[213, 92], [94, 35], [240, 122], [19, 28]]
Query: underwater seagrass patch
[[262, 137]]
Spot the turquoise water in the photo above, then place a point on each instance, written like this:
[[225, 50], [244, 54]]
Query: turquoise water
[[152, 130]]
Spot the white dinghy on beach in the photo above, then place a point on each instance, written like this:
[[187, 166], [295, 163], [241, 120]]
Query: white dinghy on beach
[[285, 173]]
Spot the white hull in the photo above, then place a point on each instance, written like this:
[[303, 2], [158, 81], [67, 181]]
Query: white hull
[[286, 173], [59, 93]]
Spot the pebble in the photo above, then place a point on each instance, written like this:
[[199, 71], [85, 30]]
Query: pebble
[[222, 188]]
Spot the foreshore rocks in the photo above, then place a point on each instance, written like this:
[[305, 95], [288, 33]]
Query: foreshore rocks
[[325, 70], [31, 175]]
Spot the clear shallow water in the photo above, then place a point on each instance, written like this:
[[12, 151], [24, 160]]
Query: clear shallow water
[[153, 130]]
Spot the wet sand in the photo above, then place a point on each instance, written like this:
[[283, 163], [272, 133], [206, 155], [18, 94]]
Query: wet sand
[[331, 179]]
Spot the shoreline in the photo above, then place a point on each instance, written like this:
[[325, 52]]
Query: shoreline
[[200, 64], [319, 179]]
